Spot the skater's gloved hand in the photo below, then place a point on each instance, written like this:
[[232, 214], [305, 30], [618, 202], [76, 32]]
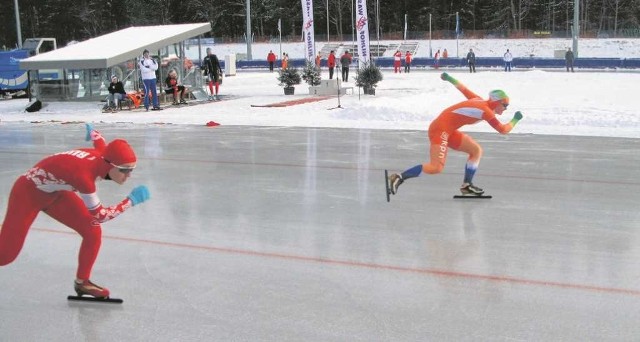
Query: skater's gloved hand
[[89, 128], [139, 194], [92, 133], [446, 77], [516, 117]]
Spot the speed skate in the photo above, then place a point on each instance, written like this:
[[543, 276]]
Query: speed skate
[[483, 196], [95, 299]]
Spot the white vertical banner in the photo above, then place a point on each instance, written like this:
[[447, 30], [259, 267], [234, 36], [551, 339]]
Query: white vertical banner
[[307, 30], [362, 31]]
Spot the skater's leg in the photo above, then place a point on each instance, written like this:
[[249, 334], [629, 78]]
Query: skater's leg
[[70, 210], [438, 157], [474, 150], [25, 202]]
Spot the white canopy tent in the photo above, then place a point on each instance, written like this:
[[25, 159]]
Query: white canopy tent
[[114, 48], [81, 69]]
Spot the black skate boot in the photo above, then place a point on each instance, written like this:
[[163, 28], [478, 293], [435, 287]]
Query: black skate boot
[[86, 287], [469, 189], [394, 182]]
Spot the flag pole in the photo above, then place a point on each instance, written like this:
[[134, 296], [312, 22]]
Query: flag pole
[[457, 34], [280, 36]]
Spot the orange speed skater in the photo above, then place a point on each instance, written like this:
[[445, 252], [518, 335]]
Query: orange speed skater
[[444, 134]]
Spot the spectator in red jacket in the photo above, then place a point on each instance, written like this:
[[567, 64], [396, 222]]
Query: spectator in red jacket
[[331, 63], [271, 58], [397, 60], [407, 61]]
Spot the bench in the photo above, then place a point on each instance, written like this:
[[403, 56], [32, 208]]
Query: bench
[[167, 93]]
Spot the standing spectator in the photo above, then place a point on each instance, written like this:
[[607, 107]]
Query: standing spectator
[[445, 54], [211, 67], [397, 58], [173, 87], [285, 60], [345, 61], [471, 60], [318, 60], [271, 58], [148, 67], [331, 63], [508, 57], [436, 59], [568, 57], [116, 93], [407, 62]]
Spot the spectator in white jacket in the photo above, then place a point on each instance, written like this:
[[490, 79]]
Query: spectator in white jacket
[[148, 67], [508, 58]]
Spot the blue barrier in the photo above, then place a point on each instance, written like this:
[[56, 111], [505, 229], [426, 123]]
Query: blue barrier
[[525, 63]]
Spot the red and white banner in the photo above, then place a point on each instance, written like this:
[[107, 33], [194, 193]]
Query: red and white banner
[[362, 31], [307, 30]]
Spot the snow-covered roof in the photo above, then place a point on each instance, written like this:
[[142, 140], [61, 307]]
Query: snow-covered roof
[[114, 48]]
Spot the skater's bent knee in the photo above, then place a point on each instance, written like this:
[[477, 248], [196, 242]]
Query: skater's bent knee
[[432, 168]]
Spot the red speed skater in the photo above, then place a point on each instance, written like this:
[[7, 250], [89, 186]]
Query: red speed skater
[[63, 186]]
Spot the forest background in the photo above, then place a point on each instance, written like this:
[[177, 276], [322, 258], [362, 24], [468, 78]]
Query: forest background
[[77, 20]]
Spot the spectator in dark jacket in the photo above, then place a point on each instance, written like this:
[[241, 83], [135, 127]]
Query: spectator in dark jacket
[[568, 57], [211, 68], [345, 61], [116, 93], [471, 60]]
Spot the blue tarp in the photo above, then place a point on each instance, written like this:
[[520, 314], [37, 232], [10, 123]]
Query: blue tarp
[[11, 77]]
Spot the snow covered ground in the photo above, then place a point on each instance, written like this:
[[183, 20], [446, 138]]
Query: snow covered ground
[[581, 103]]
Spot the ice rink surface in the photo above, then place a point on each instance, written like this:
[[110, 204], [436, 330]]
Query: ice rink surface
[[284, 234]]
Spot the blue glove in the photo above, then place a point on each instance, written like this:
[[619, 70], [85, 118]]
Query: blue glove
[[89, 128], [139, 194]]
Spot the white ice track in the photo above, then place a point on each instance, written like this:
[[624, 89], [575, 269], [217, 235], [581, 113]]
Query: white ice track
[[282, 234]]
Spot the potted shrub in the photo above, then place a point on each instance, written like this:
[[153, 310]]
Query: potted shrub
[[311, 74], [368, 77], [289, 77]]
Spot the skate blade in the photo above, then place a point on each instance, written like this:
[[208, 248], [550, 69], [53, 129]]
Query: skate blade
[[94, 299], [386, 182], [473, 196]]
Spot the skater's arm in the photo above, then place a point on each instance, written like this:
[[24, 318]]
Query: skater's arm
[[95, 136], [505, 128], [461, 87], [102, 214], [99, 212]]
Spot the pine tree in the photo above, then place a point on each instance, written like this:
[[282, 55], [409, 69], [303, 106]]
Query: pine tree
[[311, 74]]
